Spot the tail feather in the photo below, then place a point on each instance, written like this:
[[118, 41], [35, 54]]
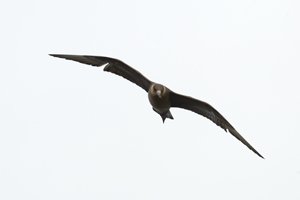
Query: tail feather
[[166, 115], [169, 115]]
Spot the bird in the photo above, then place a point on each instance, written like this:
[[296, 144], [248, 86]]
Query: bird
[[160, 97]]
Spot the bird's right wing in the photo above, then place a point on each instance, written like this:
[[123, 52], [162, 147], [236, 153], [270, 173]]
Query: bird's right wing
[[206, 110], [112, 65]]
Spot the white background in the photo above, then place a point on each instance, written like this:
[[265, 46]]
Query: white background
[[71, 131]]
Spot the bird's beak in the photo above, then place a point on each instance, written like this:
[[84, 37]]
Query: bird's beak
[[158, 93]]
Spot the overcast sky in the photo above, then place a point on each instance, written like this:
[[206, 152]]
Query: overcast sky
[[71, 131]]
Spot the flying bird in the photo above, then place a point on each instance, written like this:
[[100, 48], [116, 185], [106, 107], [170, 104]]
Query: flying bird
[[161, 98]]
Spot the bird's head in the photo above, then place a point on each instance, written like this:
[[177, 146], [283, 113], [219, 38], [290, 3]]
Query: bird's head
[[158, 90]]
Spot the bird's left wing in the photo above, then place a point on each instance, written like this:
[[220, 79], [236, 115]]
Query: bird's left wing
[[206, 110], [112, 65]]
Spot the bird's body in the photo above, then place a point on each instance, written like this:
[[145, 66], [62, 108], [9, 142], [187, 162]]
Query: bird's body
[[160, 97]]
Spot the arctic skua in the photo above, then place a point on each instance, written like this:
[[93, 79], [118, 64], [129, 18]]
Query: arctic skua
[[160, 97]]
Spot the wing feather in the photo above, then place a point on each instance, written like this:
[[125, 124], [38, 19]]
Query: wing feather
[[113, 65], [206, 110]]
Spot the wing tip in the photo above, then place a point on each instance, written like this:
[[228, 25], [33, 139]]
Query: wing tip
[[56, 55], [259, 155], [243, 140]]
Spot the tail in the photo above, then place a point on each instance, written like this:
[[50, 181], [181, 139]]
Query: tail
[[166, 115]]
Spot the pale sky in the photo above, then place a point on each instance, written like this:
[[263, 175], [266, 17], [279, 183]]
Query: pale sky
[[71, 131]]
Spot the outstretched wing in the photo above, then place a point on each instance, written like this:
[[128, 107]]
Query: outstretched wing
[[112, 65], [209, 112]]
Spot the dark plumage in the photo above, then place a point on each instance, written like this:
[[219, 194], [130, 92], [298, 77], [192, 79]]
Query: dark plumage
[[160, 97]]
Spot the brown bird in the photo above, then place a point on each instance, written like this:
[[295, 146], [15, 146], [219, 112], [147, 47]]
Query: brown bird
[[160, 97]]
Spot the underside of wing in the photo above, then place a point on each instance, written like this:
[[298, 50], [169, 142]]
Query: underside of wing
[[209, 112], [111, 65]]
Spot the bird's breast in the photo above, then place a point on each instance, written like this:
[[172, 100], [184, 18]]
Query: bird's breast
[[161, 104]]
